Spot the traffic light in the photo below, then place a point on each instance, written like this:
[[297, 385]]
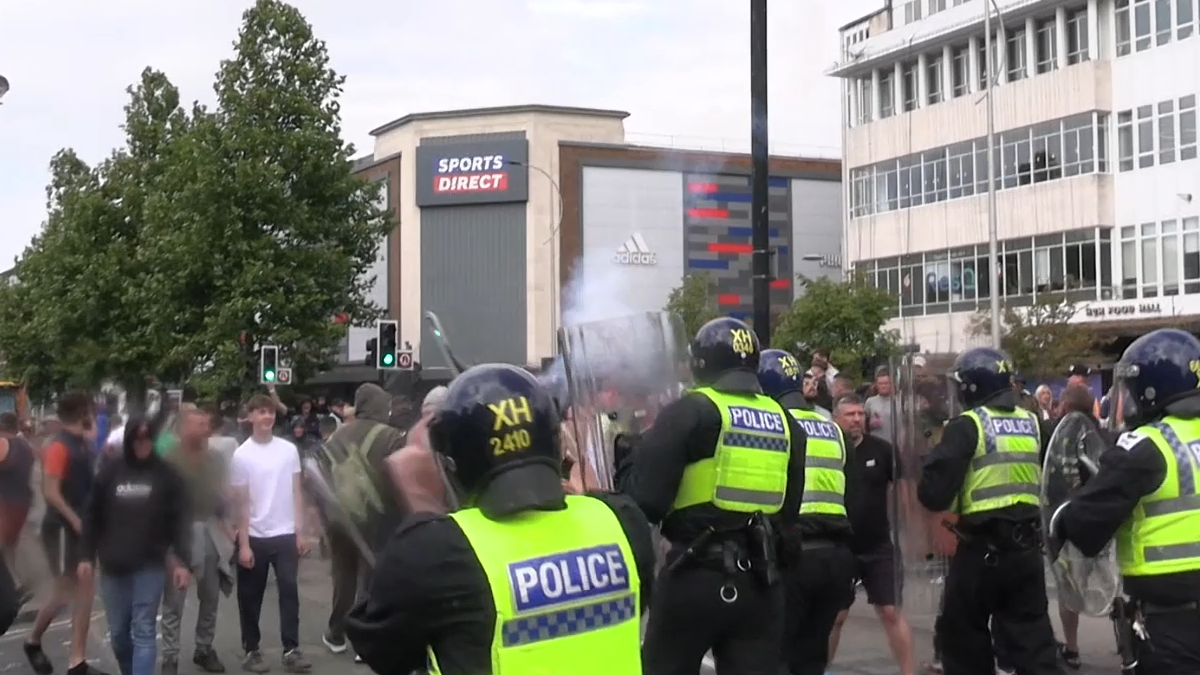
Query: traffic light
[[268, 364], [372, 352], [387, 333]]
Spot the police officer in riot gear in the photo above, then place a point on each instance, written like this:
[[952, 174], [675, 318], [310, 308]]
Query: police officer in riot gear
[[987, 468], [819, 575], [1146, 496], [722, 469], [524, 578]]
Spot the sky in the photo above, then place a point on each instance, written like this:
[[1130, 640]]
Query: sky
[[680, 67]]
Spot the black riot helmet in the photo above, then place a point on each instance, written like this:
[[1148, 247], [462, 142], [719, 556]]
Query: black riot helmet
[[779, 373], [721, 346], [1160, 368], [500, 428], [982, 374]]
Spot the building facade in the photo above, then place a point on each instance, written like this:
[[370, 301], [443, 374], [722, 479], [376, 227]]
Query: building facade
[[1094, 161], [512, 221]]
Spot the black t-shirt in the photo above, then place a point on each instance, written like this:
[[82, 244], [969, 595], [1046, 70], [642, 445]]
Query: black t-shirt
[[870, 470]]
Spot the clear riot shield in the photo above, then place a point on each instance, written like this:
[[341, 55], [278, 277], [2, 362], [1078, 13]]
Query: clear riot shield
[[619, 373], [923, 399]]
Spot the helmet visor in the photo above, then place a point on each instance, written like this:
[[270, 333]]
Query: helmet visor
[[1124, 403]]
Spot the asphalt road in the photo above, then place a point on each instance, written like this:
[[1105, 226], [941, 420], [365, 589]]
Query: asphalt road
[[863, 648]]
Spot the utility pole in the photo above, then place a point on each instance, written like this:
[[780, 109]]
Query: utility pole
[[759, 172], [993, 234]]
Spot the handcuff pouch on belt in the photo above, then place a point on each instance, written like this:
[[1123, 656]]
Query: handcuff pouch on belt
[[1129, 628], [999, 539], [754, 552]]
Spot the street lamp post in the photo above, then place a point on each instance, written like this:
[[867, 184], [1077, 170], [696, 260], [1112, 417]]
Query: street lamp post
[[554, 281]]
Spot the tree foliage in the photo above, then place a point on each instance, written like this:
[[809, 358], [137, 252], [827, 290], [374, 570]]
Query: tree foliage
[[693, 301], [1041, 339], [210, 231], [844, 317]]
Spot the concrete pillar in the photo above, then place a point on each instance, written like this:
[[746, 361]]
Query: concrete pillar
[[1060, 36]]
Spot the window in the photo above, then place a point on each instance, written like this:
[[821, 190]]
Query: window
[[1124, 39], [1129, 263], [1014, 56], [1145, 136], [936, 6], [1168, 254], [961, 170], [960, 71], [866, 107], [912, 11], [1191, 255], [1103, 126], [1141, 25], [1125, 140], [1015, 158], [1185, 19], [988, 71], [1047, 46], [1187, 128], [1077, 36], [933, 78], [1079, 155], [1150, 262], [1047, 152], [1166, 132], [887, 93], [908, 86], [1162, 21]]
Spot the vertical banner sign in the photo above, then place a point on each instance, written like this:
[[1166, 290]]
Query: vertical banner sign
[[478, 172]]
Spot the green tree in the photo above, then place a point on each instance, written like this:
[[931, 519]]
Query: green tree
[[845, 317], [694, 302], [1042, 339]]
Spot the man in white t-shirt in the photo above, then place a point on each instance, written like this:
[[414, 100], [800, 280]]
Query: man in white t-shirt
[[265, 476]]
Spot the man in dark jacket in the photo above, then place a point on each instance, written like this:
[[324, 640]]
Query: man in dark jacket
[[354, 457]]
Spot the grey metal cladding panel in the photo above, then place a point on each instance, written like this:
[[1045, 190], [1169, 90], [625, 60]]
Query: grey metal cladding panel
[[817, 217], [473, 274], [474, 138]]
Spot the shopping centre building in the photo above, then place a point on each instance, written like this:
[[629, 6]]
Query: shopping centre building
[[500, 209], [1096, 171]]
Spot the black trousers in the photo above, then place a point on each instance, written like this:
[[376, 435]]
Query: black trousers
[[278, 553], [819, 586], [351, 578], [1007, 586], [1174, 644], [688, 617]]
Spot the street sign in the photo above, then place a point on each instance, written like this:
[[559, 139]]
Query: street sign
[[404, 360], [283, 376]]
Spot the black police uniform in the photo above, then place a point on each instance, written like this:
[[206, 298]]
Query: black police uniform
[[819, 564], [432, 603], [688, 616], [1162, 364], [997, 570]]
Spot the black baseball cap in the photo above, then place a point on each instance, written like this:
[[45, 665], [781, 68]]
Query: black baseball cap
[[1080, 370]]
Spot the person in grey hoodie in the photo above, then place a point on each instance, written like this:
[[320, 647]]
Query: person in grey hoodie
[[354, 459]]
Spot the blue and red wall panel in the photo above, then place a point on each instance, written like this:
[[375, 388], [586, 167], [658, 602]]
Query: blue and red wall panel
[[717, 232]]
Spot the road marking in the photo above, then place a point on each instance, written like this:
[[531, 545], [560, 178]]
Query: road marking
[[59, 623]]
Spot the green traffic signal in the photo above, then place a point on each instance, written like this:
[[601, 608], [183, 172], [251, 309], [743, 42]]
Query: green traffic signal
[[269, 376], [389, 359]]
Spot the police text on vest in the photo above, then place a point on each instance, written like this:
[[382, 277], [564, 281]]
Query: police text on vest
[[756, 420], [1008, 426], [567, 578], [820, 430]]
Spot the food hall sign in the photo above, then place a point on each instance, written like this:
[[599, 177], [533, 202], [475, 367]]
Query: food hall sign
[[478, 172], [1126, 310]]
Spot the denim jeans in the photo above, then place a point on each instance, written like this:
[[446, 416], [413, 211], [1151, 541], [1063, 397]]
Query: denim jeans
[[131, 602]]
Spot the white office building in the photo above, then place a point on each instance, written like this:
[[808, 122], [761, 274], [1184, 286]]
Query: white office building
[[1096, 170]]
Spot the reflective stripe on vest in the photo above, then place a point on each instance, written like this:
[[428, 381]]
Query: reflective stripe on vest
[[1161, 537], [824, 465], [1004, 471], [748, 471], [566, 590]]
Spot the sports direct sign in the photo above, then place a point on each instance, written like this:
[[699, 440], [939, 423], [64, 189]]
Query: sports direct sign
[[472, 173]]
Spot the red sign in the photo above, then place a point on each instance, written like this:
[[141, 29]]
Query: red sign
[[471, 183]]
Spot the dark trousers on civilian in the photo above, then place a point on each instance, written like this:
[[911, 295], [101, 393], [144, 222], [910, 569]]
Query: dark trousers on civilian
[[278, 553], [351, 578]]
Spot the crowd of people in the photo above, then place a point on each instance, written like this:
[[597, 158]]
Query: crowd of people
[[141, 509]]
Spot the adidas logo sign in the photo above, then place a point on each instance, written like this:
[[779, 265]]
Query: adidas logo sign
[[635, 252]]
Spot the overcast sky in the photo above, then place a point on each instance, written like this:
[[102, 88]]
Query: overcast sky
[[681, 67]]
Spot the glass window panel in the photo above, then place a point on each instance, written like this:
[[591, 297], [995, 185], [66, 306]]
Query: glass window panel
[[1087, 266], [1191, 257], [933, 78], [1145, 136], [1185, 19], [1169, 255], [887, 93], [1123, 30], [1106, 265], [1129, 269], [1166, 132], [1149, 276], [962, 71], [1162, 21], [1141, 25]]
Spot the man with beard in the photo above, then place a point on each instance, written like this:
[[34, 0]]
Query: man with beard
[[355, 460]]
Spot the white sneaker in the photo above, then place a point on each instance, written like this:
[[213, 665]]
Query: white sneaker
[[333, 646]]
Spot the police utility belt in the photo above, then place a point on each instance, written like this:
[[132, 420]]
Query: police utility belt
[[1129, 625], [999, 537], [747, 549]]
